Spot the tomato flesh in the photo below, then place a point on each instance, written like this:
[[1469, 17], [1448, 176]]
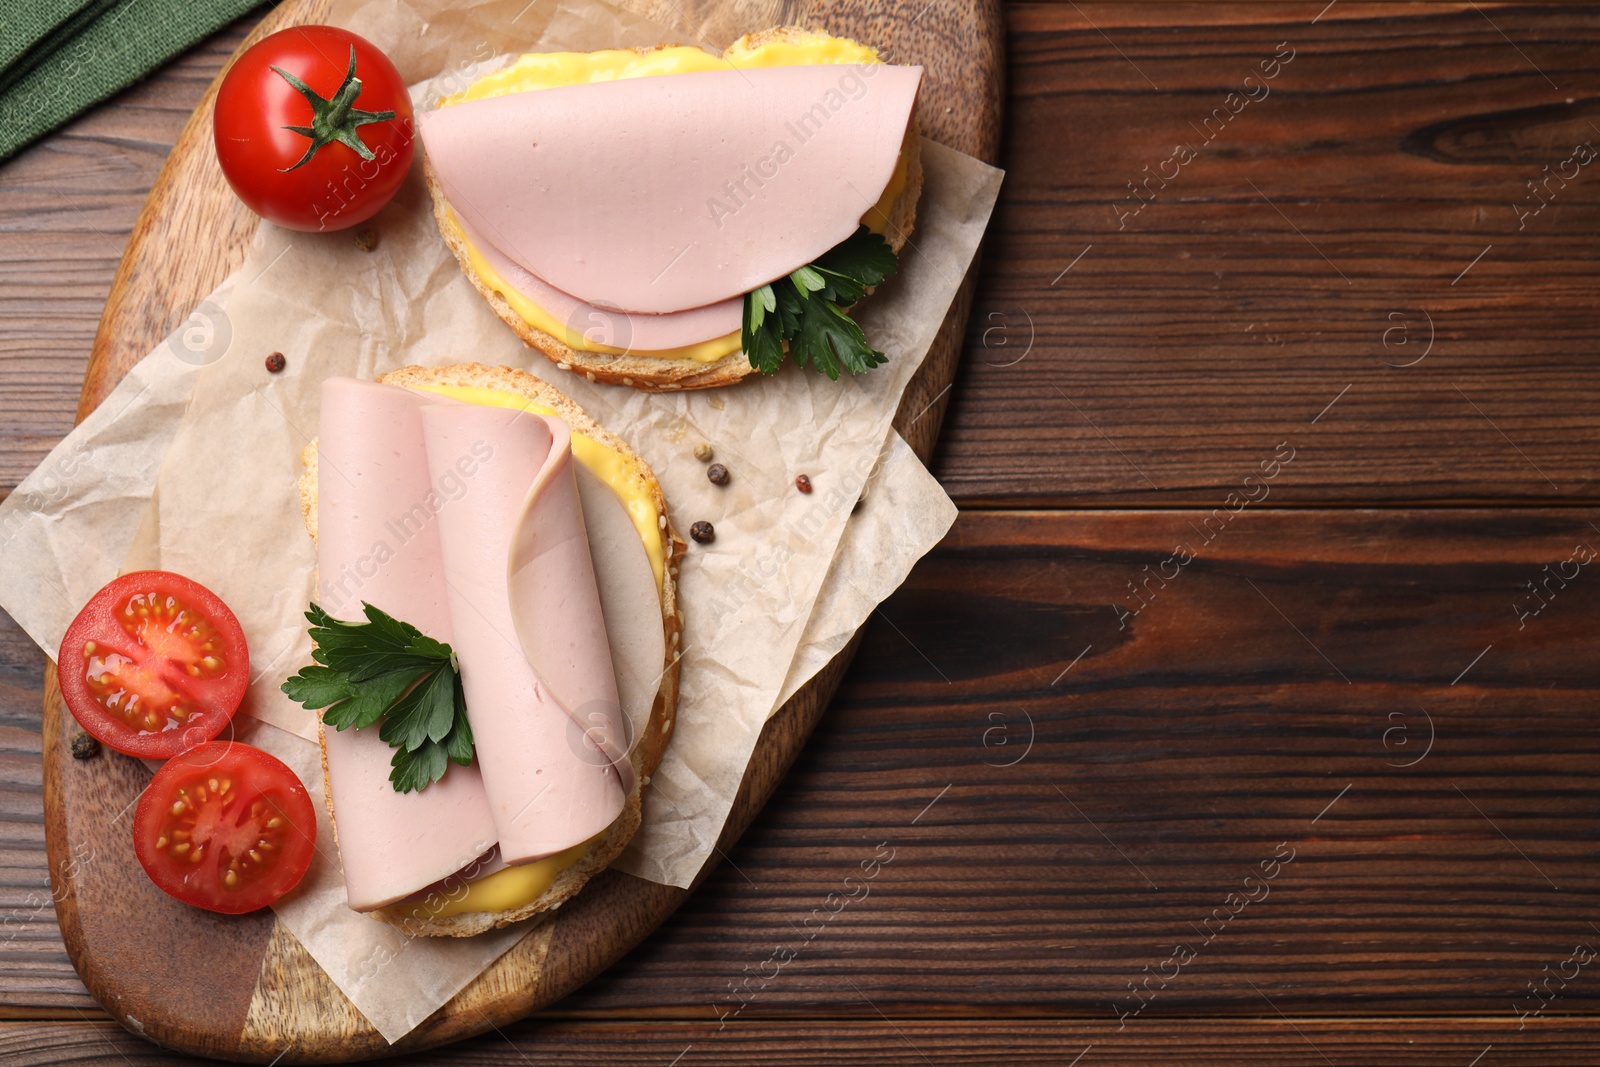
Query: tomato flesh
[[154, 664], [225, 827]]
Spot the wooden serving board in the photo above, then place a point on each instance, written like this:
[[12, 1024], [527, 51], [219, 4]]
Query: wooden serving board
[[241, 987]]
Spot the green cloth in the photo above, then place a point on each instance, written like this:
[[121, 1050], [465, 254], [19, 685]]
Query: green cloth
[[60, 57], [24, 46], [33, 22]]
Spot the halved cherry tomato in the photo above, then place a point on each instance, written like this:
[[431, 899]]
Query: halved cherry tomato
[[225, 827], [154, 664]]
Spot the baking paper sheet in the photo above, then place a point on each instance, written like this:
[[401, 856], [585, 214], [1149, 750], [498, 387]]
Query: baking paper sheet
[[788, 579]]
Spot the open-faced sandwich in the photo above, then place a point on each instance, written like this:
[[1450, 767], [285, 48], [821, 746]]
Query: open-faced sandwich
[[669, 219], [496, 637]]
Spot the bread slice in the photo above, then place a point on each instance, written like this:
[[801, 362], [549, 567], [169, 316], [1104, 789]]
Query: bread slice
[[652, 373], [647, 750]]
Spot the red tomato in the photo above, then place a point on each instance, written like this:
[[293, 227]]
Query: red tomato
[[225, 827], [314, 128], [154, 664]]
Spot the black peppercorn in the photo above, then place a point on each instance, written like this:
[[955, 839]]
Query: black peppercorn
[[84, 746], [703, 532], [718, 474]]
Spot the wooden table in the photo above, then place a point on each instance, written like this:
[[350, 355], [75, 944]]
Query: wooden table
[[1184, 750]]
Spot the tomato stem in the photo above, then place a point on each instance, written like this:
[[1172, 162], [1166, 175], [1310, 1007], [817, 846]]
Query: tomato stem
[[332, 120]]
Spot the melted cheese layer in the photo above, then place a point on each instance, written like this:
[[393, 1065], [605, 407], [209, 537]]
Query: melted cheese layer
[[504, 890], [546, 70]]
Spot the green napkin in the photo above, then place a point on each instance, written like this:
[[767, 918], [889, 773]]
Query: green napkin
[[60, 57], [34, 22]]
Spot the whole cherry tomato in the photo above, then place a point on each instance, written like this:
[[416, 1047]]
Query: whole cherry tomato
[[314, 128]]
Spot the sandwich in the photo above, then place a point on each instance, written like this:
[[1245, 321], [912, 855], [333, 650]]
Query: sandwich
[[477, 516], [647, 217]]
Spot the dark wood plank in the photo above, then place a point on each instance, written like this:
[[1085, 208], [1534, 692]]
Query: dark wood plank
[[1325, 219], [1203, 732], [1205, 329], [1182, 749], [1196, 739], [1268, 1040], [34, 969]]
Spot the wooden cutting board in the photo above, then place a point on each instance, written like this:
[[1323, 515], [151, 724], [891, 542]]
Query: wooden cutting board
[[241, 987]]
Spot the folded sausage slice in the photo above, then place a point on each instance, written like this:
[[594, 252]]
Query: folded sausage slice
[[633, 332], [541, 693], [378, 541], [679, 191]]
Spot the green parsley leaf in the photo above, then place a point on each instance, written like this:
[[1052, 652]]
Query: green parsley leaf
[[806, 313], [763, 335], [827, 333], [807, 281], [415, 771], [425, 713], [863, 255], [389, 672], [317, 687]]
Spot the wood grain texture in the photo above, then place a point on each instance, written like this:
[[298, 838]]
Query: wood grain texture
[[1167, 763], [1203, 328], [143, 940], [67, 207], [1269, 1041], [1210, 730], [34, 969], [1183, 748], [1304, 248], [276, 1004]]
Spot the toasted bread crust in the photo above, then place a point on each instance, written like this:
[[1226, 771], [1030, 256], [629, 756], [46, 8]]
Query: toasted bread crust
[[646, 752], [652, 373]]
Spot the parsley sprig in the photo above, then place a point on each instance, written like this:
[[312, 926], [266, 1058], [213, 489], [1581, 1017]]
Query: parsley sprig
[[387, 669], [806, 309]]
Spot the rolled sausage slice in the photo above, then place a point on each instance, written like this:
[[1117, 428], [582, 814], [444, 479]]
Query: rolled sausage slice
[[378, 542], [541, 691]]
